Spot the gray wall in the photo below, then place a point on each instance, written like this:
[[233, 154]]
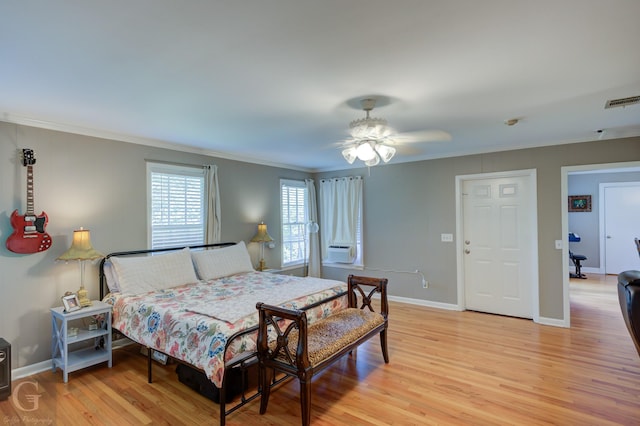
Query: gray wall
[[408, 206], [587, 224], [101, 184]]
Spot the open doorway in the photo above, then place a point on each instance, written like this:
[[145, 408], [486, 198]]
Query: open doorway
[[592, 233]]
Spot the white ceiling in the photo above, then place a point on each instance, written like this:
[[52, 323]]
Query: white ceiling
[[278, 81]]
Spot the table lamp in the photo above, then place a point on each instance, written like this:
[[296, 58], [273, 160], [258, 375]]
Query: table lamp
[[81, 250], [261, 237]]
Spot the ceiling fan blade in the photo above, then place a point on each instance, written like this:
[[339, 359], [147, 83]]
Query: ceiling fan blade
[[408, 150], [423, 136], [338, 144]]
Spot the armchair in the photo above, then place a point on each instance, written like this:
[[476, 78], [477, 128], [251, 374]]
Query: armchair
[[629, 298]]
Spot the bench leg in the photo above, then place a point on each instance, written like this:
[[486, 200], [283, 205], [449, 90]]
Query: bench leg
[[383, 344], [264, 381], [305, 399]]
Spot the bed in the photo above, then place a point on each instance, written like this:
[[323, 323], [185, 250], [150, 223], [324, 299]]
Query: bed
[[198, 304]]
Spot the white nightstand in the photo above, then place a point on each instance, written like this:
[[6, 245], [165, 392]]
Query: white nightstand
[[63, 353]]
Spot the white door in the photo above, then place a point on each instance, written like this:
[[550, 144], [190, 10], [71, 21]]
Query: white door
[[621, 226], [498, 228]]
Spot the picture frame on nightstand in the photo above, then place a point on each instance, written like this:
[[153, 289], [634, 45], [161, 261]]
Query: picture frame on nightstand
[[71, 302]]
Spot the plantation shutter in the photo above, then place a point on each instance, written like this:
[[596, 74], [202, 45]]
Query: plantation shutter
[[293, 195], [177, 206]]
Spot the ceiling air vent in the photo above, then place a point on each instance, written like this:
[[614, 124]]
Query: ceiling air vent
[[622, 102]]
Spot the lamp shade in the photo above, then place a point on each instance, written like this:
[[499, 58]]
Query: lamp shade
[[373, 162], [386, 152], [81, 248], [262, 236], [350, 154]]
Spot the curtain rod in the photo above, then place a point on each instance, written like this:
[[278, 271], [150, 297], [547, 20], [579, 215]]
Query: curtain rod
[[339, 178]]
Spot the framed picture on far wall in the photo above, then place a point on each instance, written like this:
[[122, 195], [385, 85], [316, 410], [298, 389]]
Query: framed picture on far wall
[[579, 203]]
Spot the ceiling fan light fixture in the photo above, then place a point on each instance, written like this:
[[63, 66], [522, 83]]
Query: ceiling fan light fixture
[[365, 151], [350, 154], [371, 138], [373, 162], [370, 128], [385, 152]]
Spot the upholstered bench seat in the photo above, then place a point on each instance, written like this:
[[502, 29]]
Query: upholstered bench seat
[[330, 335]]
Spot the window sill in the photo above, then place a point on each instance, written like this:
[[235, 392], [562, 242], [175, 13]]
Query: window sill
[[356, 266]]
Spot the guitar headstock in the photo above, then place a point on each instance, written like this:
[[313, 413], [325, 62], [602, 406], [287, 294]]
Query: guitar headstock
[[27, 157]]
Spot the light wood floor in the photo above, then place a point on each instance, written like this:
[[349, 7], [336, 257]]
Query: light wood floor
[[446, 368]]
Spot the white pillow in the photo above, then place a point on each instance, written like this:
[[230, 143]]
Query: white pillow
[[222, 262], [137, 275], [110, 276]]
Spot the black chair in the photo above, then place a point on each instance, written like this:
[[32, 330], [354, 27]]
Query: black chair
[[577, 259], [629, 298]]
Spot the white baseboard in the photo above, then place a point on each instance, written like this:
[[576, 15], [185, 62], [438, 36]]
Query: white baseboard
[[553, 322], [451, 307], [427, 303], [30, 370]]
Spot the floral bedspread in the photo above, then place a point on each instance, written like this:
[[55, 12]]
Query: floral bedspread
[[165, 320]]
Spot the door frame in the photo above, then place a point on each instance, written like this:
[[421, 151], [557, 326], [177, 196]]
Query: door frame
[[531, 174], [564, 205]]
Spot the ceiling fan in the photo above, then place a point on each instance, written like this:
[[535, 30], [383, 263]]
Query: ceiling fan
[[372, 139]]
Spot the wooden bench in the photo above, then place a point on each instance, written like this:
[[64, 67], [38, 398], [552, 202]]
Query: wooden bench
[[301, 350]]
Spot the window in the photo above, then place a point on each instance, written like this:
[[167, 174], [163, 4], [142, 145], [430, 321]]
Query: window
[[293, 207], [340, 204], [176, 205]]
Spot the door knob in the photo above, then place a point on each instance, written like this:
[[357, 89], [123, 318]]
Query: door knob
[[467, 242], [608, 237], [467, 251]]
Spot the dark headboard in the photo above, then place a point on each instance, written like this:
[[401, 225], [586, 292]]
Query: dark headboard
[[103, 281]]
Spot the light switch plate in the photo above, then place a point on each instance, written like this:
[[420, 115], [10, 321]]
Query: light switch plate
[[558, 244], [446, 238]]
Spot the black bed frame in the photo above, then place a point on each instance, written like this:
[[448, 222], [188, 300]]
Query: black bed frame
[[243, 363]]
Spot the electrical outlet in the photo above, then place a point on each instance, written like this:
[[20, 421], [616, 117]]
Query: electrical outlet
[[558, 244]]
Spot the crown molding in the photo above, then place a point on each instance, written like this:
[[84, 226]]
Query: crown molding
[[123, 137]]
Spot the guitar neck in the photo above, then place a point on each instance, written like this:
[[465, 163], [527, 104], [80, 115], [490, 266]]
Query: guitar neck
[[30, 206]]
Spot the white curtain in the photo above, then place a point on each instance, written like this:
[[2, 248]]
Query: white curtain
[[314, 244], [340, 204], [212, 225]]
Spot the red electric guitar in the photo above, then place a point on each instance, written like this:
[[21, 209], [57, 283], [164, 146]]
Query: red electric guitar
[[28, 235]]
